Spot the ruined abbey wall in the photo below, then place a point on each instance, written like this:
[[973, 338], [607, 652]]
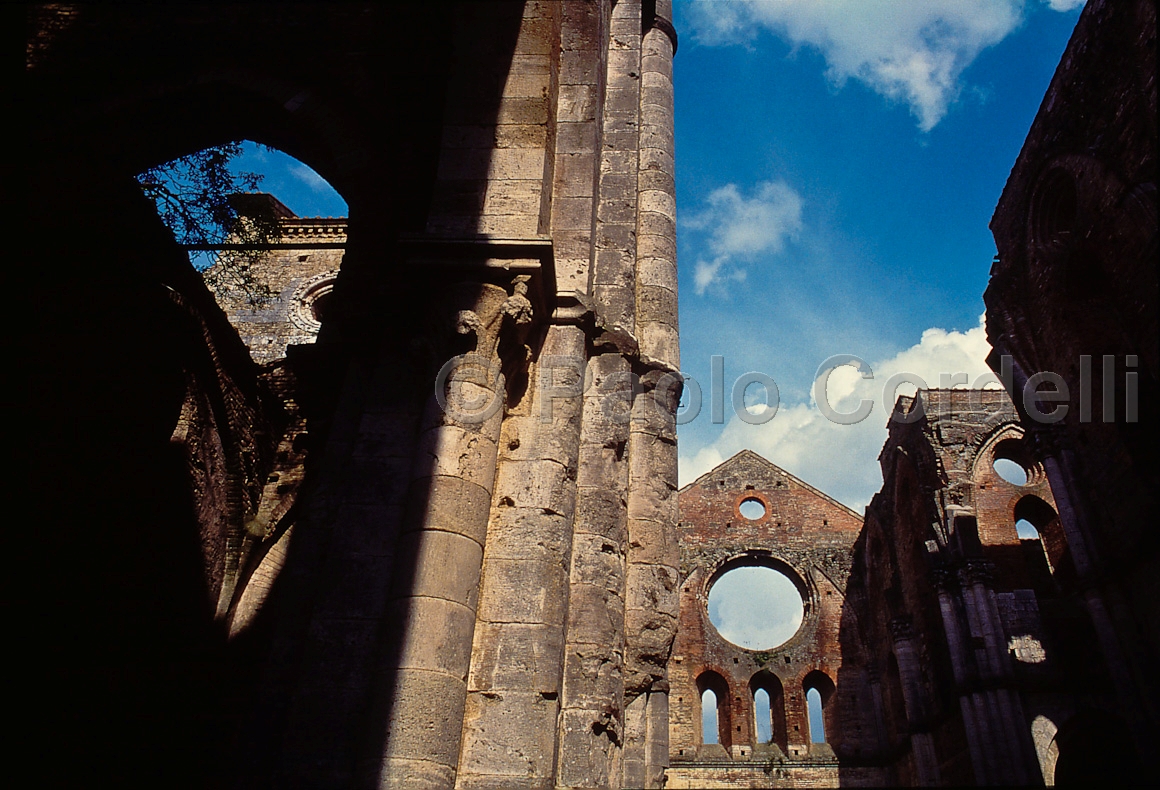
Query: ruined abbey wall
[[439, 551], [808, 537], [1073, 297], [410, 519]]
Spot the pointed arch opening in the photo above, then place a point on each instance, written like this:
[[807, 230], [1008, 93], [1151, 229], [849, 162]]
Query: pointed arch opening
[[713, 691], [1041, 533], [768, 696], [819, 691], [266, 232]]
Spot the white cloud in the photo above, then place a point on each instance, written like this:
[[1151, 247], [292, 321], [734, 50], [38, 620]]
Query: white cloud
[[841, 460], [741, 227], [310, 178], [706, 273], [913, 51]]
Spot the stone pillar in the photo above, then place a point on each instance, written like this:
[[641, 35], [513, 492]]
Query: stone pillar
[[653, 578], [592, 717], [914, 697], [592, 697], [1012, 750], [422, 685], [656, 218], [958, 648], [1058, 464], [513, 689]]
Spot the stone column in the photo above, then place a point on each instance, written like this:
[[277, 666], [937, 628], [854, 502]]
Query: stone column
[[914, 697], [422, 686], [656, 218], [513, 689], [592, 698], [653, 555], [1013, 753], [960, 667], [1058, 464], [592, 715]]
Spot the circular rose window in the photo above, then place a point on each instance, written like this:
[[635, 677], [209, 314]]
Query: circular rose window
[[309, 302], [755, 607]]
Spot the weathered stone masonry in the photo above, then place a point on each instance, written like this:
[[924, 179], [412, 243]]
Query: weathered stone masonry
[[267, 555], [399, 593]]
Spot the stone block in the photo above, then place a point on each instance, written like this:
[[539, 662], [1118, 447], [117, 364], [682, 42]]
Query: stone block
[[425, 719], [517, 656], [654, 303], [595, 616], [576, 103], [438, 633], [652, 542], [575, 138], [452, 451], [509, 734], [651, 589], [598, 561], [530, 590], [545, 485], [578, 66], [518, 533], [446, 565], [593, 676], [442, 501], [587, 749], [600, 511], [573, 213], [575, 175]]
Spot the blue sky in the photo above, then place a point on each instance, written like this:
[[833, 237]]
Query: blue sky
[[837, 165], [301, 189]]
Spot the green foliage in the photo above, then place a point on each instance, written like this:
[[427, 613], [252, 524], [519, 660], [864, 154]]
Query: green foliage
[[197, 198]]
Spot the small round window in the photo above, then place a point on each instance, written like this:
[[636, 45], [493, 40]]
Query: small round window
[[752, 508], [755, 607]]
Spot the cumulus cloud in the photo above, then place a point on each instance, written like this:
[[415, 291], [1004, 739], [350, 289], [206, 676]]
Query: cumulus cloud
[[913, 51], [740, 227], [841, 460]]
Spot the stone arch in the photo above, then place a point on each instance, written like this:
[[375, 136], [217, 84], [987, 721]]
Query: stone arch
[[821, 683], [1045, 520], [714, 682], [771, 684]]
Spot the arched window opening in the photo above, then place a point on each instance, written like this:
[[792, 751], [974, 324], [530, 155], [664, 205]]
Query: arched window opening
[[763, 723], [715, 718], [768, 709], [709, 723], [1026, 530], [269, 257], [1010, 471], [1012, 462], [1041, 533], [819, 690], [814, 711]]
